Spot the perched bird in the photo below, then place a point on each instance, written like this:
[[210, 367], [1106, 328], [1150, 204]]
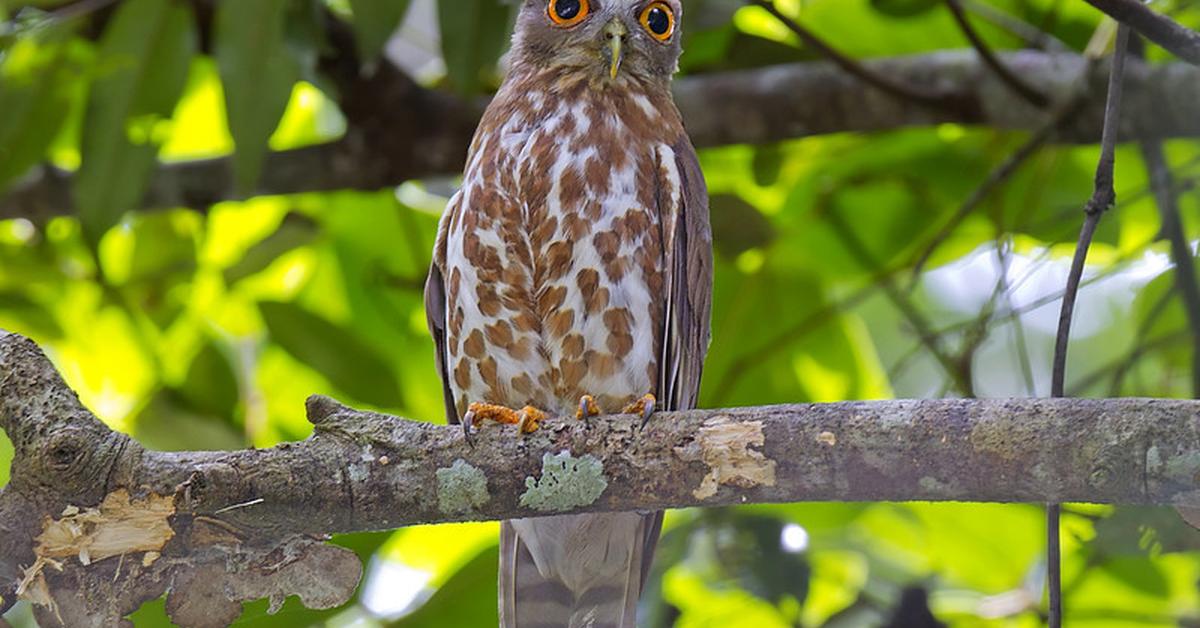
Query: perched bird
[[573, 274]]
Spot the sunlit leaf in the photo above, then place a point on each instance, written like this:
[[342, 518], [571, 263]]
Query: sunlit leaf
[[211, 384], [467, 599], [35, 92], [295, 231], [142, 68], [473, 36], [348, 363], [258, 71], [374, 23]]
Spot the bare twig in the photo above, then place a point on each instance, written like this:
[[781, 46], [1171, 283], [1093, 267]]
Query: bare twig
[[880, 81], [997, 178], [1181, 251], [1103, 197], [1030, 34], [1181, 41], [1017, 84], [956, 368]]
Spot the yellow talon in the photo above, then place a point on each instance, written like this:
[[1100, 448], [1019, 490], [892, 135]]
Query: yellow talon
[[587, 407], [527, 418], [643, 407]]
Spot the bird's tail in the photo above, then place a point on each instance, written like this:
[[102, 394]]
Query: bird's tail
[[531, 599]]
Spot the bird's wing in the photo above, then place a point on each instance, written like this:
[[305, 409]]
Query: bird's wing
[[688, 255], [689, 266], [435, 313]]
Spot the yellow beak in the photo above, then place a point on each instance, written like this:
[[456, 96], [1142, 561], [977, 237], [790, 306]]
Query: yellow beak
[[615, 32]]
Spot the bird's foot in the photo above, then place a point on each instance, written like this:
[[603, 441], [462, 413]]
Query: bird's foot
[[526, 419], [587, 407], [643, 407]]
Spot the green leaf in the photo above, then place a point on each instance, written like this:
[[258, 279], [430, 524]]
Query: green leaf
[[347, 362], [467, 599], [473, 36], [35, 96], [211, 385], [738, 226], [295, 231], [374, 23], [258, 70], [143, 63], [904, 8]]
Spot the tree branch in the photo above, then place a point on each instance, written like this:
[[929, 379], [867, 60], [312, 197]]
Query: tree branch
[[1181, 41], [424, 133], [1018, 85], [185, 517]]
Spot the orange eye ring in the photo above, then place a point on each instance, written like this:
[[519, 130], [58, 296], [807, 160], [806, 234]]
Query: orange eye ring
[[568, 13], [659, 20]]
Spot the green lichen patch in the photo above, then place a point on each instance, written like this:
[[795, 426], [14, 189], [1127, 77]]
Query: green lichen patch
[[567, 482], [462, 488]]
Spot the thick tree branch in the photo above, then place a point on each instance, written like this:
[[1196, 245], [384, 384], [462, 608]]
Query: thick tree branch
[[194, 512], [422, 133]]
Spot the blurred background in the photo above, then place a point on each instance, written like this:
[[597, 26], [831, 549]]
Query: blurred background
[[176, 236]]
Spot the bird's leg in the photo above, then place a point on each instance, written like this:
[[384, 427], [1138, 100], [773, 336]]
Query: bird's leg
[[643, 407], [527, 418], [587, 407]]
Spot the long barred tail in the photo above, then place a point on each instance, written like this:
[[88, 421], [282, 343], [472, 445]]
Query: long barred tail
[[530, 600]]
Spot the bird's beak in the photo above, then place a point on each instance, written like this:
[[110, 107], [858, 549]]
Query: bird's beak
[[615, 32]]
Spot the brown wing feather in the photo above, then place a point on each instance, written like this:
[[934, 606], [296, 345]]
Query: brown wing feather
[[435, 317], [689, 282], [689, 303]]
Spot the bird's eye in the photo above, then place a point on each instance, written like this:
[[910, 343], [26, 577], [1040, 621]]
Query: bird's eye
[[659, 20], [566, 13]]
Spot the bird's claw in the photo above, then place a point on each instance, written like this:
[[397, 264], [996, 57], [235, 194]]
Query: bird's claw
[[468, 426], [587, 407], [526, 419], [643, 407]]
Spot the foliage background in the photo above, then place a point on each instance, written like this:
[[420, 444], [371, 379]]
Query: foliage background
[[207, 329]]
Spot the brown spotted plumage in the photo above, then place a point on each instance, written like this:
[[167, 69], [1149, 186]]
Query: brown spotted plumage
[[575, 264]]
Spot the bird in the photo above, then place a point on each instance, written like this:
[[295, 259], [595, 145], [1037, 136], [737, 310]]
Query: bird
[[572, 275]]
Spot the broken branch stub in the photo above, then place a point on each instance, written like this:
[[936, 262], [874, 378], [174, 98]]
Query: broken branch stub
[[93, 524]]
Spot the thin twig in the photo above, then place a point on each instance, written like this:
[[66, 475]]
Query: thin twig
[[1018, 85], [900, 90], [1103, 197], [955, 367], [1181, 253], [1026, 32], [998, 177], [1183, 42], [1003, 257]]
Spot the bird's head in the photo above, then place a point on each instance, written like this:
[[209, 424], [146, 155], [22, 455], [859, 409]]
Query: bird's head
[[607, 39]]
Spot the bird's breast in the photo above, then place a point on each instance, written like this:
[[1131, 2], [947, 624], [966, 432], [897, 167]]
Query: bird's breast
[[554, 264]]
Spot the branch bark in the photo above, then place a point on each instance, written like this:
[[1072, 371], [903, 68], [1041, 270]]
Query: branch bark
[[424, 133], [185, 518]]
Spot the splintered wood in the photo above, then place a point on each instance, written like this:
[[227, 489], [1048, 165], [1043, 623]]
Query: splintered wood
[[119, 526], [724, 445]]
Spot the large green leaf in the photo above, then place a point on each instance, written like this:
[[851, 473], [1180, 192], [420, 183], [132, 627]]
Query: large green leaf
[[142, 69], [473, 36], [374, 23], [258, 70], [295, 231], [467, 599], [35, 94], [349, 363], [211, 385]]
